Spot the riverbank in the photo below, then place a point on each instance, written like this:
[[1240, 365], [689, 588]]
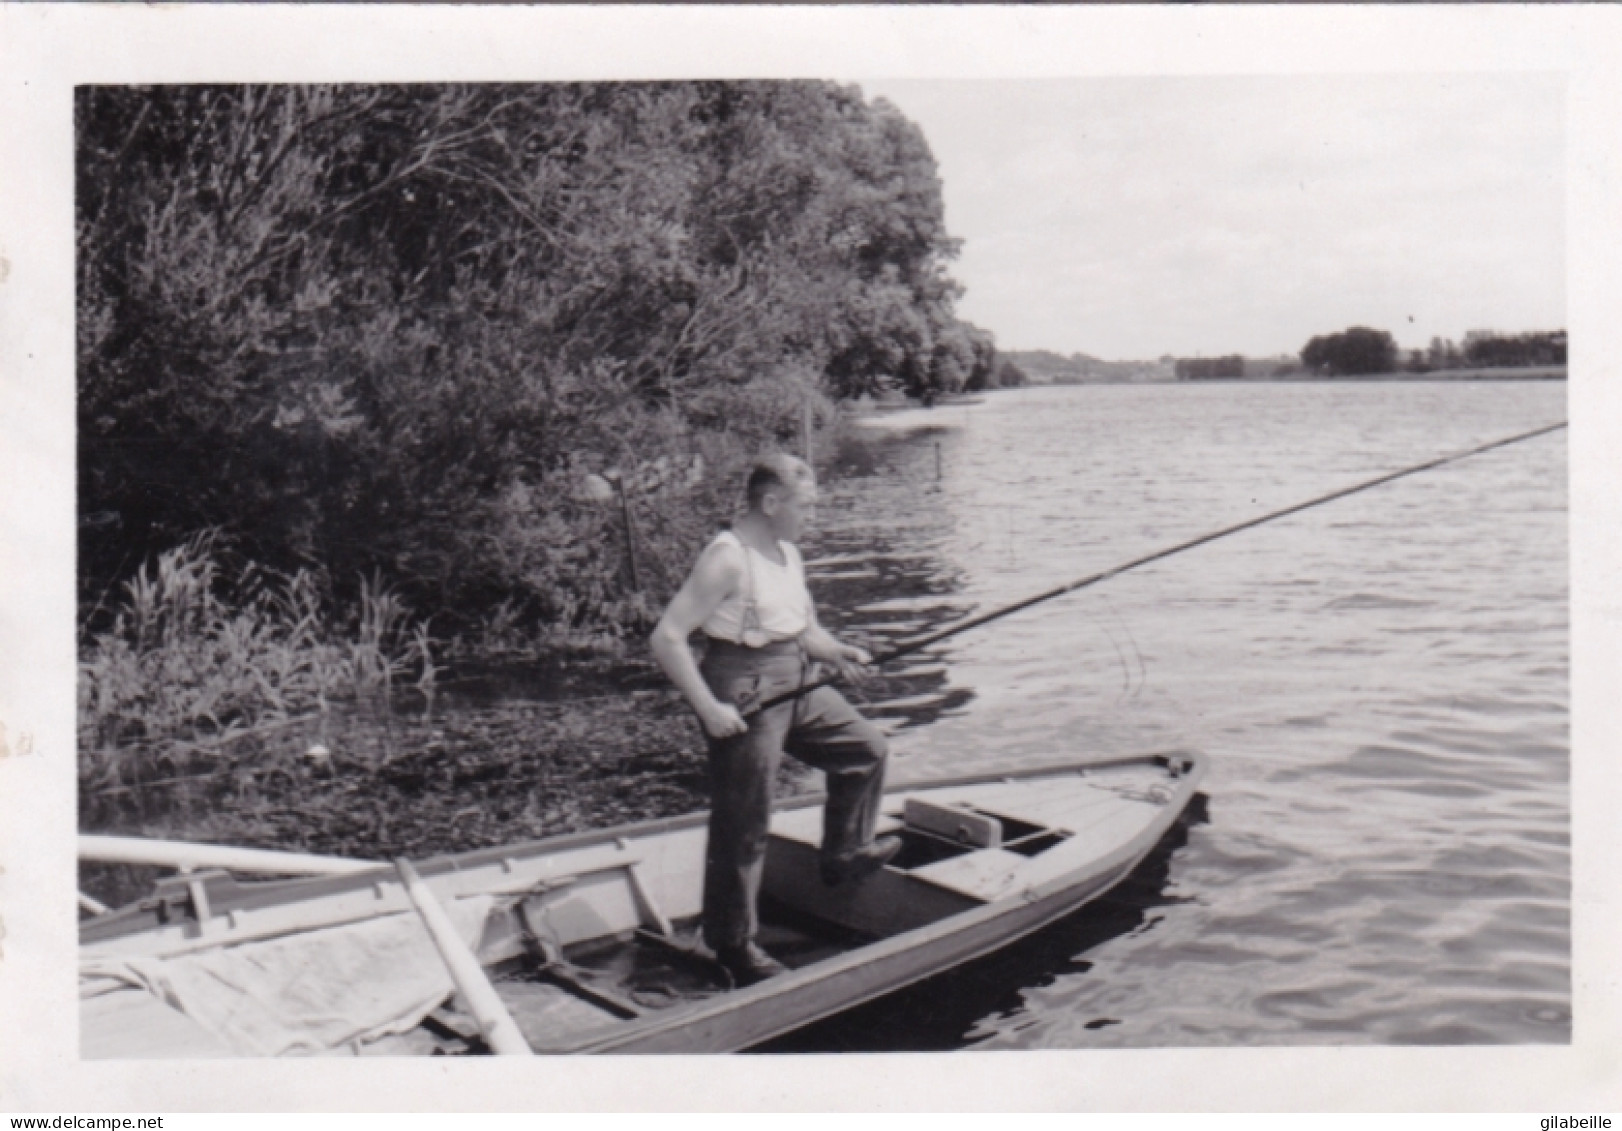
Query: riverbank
[[212, 722], [417, 778], [223, 702]]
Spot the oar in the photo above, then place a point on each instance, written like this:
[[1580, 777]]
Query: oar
[[1093, 579]]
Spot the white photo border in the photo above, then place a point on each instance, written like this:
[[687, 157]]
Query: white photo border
[[47, 49]]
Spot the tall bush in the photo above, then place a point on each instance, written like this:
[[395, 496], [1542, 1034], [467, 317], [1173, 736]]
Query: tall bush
[[393, 329], [194, 656]]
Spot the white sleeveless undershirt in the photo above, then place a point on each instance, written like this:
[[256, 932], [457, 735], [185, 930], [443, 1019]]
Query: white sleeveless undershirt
[[782, 604]]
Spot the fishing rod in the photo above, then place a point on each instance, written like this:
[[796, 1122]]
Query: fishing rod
[[1158, 555]]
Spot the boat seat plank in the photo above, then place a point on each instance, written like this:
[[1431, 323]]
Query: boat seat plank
[[984, 874], [354, 899], [132, 1024]]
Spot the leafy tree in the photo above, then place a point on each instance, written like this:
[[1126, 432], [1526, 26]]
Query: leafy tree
[[393, 328], [1356, 351], [1010, 376], [1000, 373]]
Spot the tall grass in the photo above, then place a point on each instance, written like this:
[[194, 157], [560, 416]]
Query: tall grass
[[194, 660]]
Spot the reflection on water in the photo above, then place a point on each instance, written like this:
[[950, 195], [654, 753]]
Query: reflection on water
[[1381, 684], [878, 567]]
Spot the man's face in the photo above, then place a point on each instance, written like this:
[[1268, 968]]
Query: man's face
[[793, 511]]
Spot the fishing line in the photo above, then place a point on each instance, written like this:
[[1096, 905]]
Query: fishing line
[[1134, 674], [1158, 555], [1120, 656]]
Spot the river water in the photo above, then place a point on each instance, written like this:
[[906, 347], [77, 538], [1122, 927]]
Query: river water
[[1382, 853]]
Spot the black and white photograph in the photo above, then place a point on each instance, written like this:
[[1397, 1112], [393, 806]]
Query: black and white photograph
[[848, 559]]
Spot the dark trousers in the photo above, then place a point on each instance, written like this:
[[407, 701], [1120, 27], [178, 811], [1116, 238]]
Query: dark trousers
[[820, 729]]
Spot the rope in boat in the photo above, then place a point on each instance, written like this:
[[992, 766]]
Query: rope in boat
[[1158, 555]]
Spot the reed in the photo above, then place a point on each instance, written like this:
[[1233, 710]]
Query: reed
[[194, 660]]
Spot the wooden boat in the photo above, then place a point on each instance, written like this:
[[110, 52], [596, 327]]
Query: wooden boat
[[585, 942]]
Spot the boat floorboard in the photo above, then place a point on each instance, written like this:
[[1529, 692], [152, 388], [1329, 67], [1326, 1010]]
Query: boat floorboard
[[550, 1017]]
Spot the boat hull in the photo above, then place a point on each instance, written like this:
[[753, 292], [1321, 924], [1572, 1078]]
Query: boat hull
[[1072, 833], [781, 1005]]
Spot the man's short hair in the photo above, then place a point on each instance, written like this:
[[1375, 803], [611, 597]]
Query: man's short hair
[[777, 470]]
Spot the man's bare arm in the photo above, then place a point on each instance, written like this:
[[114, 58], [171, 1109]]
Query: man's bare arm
[[714, 578]]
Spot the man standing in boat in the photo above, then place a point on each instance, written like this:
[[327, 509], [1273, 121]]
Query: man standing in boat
[[748, 595]]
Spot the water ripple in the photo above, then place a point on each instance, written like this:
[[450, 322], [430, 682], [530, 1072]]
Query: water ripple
[[1383, 855]]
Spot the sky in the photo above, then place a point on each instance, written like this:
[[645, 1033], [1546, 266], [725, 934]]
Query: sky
[[1134, 217]]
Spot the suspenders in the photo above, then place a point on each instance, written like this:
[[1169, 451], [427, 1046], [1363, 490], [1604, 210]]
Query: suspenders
[[750, 632]]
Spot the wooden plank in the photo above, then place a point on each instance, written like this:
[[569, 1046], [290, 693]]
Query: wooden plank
[[576, 981], [368, 898], [185, 856], [987, 874], [500, 1031], [649, 905], [551, 1017]]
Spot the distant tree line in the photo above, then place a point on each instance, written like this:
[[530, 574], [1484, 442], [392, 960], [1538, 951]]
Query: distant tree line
[[392, 330], [1515, 350], [1205, 368], [1044, 367], [1003, 373], [1360, 351]]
